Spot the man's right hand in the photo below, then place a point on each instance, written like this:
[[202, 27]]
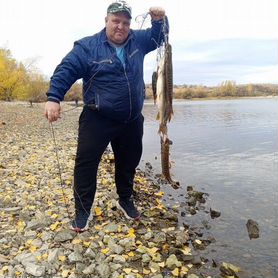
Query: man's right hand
[[52, 111]]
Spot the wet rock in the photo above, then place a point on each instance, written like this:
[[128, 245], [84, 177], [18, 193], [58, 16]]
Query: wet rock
[[192, 201], [192, 210], [196, 260], [253, 229], [214, 213], [227, 272], [181, 238]]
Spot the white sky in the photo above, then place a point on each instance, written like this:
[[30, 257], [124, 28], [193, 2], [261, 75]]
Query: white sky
[[46, 29]]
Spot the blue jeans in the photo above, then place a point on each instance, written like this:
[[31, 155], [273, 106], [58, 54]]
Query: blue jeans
[[94, 135]]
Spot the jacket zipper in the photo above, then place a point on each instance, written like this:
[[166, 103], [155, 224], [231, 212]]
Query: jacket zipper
[[129, 92], [134, 52], [103, 61]]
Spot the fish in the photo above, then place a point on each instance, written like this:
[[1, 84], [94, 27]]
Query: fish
[[162, 85], [164, 90], [165, 162]]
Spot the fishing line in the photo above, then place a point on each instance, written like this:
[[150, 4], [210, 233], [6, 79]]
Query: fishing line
[[59, 168], [60, 176]]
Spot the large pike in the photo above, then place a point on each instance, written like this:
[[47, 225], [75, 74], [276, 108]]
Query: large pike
[[162, 84]]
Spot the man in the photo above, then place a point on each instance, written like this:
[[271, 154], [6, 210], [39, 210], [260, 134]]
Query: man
[[111, 65]]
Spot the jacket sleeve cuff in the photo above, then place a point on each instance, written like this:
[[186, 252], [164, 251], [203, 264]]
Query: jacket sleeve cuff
[[53, 99]]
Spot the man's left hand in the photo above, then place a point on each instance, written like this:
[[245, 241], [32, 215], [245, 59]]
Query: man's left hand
[[157, 13]]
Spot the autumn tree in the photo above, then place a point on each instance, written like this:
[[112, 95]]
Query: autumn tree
[[37, 87], [74, 93], [227, 88], [13, 77]]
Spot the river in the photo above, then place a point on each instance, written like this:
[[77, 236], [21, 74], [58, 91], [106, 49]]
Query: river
[[229, 149]]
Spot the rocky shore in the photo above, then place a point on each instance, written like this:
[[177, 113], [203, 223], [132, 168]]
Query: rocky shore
[[37, 207]]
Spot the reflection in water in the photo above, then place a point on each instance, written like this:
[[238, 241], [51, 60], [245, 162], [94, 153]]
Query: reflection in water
[[228, 148]]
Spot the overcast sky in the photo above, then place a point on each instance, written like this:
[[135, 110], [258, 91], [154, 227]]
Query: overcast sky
[[213, 40]]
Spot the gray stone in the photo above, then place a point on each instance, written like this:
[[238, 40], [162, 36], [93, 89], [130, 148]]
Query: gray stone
[[35, 224], [90, 253], [146, 258], [35, 270], [157, 276], [3, 259], [30, 234], [53, 255], [119, 259], [80, 267], [116, 249], [89, 270], [64, 235], [12, 210], [148, 235], [75, 257], [173, 262], [159, 237], [103, 270], [111, 227], [115, 267], [127, 242], [25, 258]]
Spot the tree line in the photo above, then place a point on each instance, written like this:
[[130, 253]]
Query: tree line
[[20, 81]]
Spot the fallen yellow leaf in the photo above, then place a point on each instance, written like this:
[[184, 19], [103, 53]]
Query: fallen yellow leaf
[[33, 248], [127, 270], [98, 211], [86, 243], [20, 225], [159, 194], [175, 272], [105, 251], [76, 241], [65, 273], [146, 271], [130, 254], [62, 258]]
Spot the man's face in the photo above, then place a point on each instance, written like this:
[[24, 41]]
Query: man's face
[[117, 27]]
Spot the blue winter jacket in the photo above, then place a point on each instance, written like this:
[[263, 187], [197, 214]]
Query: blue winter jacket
[[117, 91]]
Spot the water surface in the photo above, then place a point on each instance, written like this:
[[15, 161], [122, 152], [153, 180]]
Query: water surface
[[229, 149]]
